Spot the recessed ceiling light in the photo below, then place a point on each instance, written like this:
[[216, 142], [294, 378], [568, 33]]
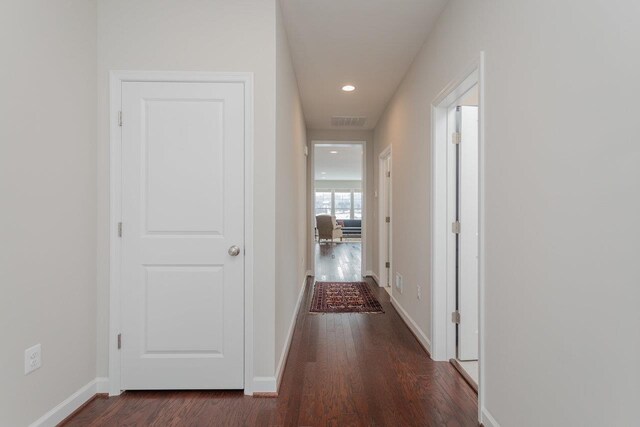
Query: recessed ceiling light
[[348, 88], [333, 152], [323, 173]]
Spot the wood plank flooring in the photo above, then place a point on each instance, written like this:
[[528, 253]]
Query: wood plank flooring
[[343, 370], [339, 261]]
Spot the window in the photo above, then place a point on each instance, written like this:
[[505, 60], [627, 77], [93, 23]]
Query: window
[[357, 205], [323, 203], [343, 204]]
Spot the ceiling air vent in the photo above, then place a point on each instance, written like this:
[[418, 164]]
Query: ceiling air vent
[[348, 121]]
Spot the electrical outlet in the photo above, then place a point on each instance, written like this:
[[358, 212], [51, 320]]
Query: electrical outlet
[[32, 359], [399, 282], [419, 292]]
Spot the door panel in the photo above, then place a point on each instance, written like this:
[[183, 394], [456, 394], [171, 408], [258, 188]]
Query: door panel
[[185, 174], [183, 207], [468, 237], [195, 324]]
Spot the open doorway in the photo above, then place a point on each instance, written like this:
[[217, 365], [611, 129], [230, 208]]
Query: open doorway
[[384, 230], [338, 214], [457, 234], [464, 117]]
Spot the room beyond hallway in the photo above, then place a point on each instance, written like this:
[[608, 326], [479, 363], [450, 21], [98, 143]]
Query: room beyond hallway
[[338, 188], [343, 369]]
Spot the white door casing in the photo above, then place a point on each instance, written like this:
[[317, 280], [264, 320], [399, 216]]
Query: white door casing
[[468, 236], [182, 293]]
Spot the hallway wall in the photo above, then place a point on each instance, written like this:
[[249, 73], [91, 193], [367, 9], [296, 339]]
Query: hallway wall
[[291, 194], [561, 181], [48, 214], [195, 35], [370, 211]]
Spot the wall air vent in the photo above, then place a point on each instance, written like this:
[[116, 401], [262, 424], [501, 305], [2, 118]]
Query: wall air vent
[[348, 121]]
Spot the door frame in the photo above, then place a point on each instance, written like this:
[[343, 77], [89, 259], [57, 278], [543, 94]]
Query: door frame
[[116, 79], [312, 209], [384, 198], [442, 215]]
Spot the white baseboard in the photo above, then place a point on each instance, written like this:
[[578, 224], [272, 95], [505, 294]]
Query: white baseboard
[[370, 273], [71, 403], [292, 327], [487, 419], [264, 385], [102, 385], [419, 333]]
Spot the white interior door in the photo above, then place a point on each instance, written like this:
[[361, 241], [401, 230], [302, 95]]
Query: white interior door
[[468, 236], [182, 209]]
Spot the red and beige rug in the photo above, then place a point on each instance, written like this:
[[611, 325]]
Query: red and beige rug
[[344, 297]]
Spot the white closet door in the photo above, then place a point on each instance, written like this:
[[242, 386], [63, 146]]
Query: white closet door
[[182, 209]]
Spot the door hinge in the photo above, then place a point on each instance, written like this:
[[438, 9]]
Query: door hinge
[[455, 227], [119, 341], [387, 264], [120, 118], [387, 219], [455, 317], [119, 229], [388, 174], [456, 138]]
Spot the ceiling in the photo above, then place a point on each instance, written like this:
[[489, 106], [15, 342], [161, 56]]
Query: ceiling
[[367, 43], [345, 165]]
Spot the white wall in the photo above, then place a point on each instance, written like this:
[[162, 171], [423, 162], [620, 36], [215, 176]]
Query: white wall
[[370, 212], [185, 35], [291, 165], [338, 184], [47, 188], [562, 175]]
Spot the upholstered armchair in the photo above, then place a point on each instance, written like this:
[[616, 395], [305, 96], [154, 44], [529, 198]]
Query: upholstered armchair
[[328, 228]]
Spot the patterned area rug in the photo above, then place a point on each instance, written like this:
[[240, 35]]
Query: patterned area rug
[[344, 297]]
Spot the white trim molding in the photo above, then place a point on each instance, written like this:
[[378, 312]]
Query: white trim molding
[[487, 419], [102, 385], [71, 403], [413, 326], [265, 385], [292, 327], [117, 78]]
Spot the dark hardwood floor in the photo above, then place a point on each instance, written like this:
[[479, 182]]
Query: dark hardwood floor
[[343, 370], [339, 261]]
